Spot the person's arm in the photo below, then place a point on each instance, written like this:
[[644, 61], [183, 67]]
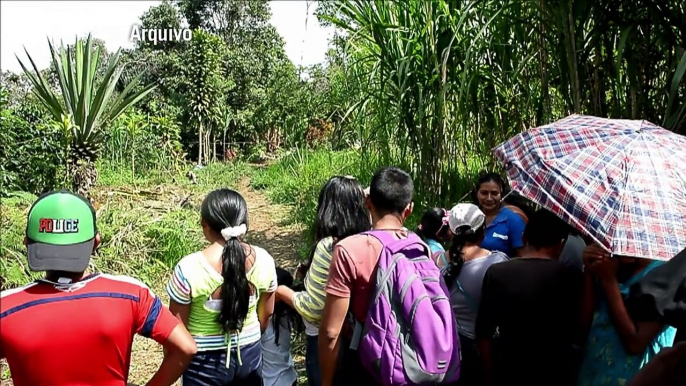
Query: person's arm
[[588, 307], [265, 309], [179, 291], [342, 273], [286, 295], [335, 310], [486, 324], [635, 336], [180, 311], [589, 303], [155, 321], [265, 306], [308, 303], [179, 348], [515, 231]]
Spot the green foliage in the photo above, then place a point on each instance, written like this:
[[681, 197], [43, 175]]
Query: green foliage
[[205, 87], [32, 157], [298, 176], [137, 144], [440, 82], [89, 106], [13, 264], [144, 231]]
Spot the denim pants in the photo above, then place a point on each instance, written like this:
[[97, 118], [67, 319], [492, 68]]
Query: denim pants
[[208, 368], [350, 371], [471, 370], [314, 375]]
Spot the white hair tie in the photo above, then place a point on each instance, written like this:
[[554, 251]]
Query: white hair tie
[[234, 232]]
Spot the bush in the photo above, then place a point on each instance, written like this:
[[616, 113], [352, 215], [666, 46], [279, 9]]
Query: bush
[[32, 155], [136, 144]]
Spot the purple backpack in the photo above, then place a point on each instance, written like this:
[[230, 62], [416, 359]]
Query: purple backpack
[[410, 334]]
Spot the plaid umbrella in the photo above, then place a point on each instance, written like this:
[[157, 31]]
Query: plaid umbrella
[[622, 182]]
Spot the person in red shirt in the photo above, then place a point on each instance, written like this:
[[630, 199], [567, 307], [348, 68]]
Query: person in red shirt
[[74, 328]]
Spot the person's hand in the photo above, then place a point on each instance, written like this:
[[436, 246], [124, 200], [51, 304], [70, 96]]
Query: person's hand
[[594, 252], [300, 272], [605, 269]]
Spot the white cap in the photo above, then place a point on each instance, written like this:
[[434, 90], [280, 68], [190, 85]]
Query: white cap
[[466, 215]]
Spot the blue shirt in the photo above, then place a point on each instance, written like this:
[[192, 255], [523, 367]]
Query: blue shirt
[[504, 233], [434, 246], [606, 362]]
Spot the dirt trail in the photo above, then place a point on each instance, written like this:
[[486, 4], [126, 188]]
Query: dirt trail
[[266, 230]]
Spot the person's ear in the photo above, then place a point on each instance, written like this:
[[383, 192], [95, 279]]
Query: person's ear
[[408, 209], [96, 242], [368, 203], [26, 242]]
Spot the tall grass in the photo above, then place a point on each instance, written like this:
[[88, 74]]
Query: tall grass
[[444, 81], [144, 229], [297, 178]]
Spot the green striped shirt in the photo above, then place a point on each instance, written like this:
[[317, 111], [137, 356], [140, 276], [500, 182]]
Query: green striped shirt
[[310, 303]]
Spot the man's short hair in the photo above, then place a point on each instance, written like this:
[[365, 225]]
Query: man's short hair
[[545, 229], [391, 190]]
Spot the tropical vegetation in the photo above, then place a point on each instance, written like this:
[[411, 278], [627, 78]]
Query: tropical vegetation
[[431, 86]]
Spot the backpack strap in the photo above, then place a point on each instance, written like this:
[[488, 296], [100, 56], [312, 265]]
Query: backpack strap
[[394, 245], [357, 330]]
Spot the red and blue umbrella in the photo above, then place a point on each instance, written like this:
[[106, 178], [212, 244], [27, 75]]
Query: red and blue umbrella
[[622, 182]]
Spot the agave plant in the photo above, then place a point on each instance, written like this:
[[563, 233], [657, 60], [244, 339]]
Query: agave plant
[[90, 106]]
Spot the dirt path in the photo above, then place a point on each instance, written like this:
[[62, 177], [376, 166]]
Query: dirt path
[[266, 230]]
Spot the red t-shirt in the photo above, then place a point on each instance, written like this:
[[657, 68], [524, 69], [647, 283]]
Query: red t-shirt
[[78, 334]]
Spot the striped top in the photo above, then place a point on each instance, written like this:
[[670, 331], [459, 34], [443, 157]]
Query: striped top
[[193, 282], [310, 303]]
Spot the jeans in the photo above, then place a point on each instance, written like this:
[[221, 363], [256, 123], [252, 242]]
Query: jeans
[[471, 370], [314, 375], [350, 371], [208, 368]]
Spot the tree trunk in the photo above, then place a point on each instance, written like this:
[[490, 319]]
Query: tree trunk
[[83, 176], [200, 140], [214, 147]]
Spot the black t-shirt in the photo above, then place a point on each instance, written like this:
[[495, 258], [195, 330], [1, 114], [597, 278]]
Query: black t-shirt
[[534, 305]]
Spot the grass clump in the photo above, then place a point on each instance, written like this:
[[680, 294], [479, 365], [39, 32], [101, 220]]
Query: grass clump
[[146, 227], [297, 177]]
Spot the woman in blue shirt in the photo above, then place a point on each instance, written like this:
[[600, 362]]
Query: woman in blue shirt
[[434, 230], [616, 347], [504, 227]]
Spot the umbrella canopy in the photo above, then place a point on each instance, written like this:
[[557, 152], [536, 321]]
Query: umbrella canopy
[[622, 182]]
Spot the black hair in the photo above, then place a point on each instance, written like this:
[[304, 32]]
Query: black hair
[[391, 190], [545, 229], [282, 310], [431, 225], [462, 237], [221, 209], [341, 211], [484, 178]]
